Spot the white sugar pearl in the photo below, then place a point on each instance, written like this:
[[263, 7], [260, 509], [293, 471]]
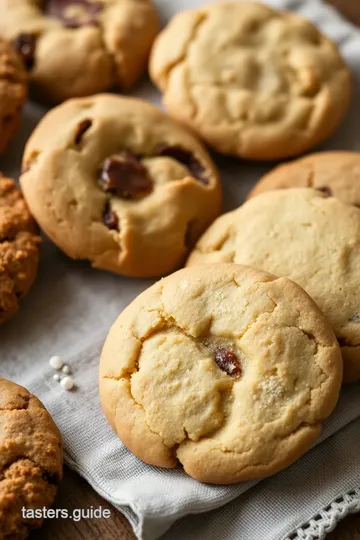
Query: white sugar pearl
[[56, 362], [67, 383], [56, 377], [66, 369]]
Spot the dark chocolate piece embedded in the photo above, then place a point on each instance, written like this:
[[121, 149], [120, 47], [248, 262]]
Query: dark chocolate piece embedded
[[25, 45], [81, 129], [185, 157], [123, 175], [228, 362], [110, 219]]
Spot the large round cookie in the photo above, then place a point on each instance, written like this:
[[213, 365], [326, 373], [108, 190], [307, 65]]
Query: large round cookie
[[13, 92], [19, 248], [31, 458], [116, 181], [225, 368], [334, 173], [252, 81], [80, 47], [306, 236]]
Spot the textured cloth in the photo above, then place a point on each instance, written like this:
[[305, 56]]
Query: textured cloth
[[69, 311]]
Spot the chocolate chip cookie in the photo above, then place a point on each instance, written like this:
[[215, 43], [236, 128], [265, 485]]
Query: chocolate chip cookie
[[224, 368], [337, 174], [80, 47], [13, 92], [304, 235], [19, 248], [31, 458], [252, 81], [116, 181]]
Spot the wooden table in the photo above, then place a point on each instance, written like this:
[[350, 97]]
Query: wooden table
[[349, 8], [75, 493]]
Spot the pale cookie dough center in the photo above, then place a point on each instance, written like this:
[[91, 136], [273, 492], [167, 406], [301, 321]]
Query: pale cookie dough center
[[180, 387]]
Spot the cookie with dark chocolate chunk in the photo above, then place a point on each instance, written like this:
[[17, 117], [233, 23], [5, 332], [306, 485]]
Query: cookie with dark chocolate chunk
[[130, 189], [74, 48]]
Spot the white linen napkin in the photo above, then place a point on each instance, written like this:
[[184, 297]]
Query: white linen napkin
[[69, 312]]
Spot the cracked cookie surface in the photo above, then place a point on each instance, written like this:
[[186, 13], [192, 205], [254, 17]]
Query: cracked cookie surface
[[31, 457], [302, 234], [119, 183], [337, 174], [226, 368], [75, 48], [13, 92], [252, 81], [19, 248]]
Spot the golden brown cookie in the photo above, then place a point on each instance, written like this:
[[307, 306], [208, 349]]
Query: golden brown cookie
[[250, 80], [303, 235], [19, 248], [31, 458], [225, 368], [337, 174], [116, 181], [13, 92], [80, 47]]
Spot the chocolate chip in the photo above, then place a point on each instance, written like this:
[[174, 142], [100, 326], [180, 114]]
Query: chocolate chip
[[59, 9], [82, 127], [326, 190], [123, 175], [228, 362], [185, 157], [110, 219], [25, 45]]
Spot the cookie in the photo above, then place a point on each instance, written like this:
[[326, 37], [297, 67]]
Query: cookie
[[335, 173], [19, 249], [75, 48], [225, 368], [31, 458], [304, 235], [251, 81], [13, 92], [115, 181]]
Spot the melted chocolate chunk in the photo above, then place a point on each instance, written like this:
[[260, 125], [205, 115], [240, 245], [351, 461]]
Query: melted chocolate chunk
[[228, 362], [123, 175], [61, 10], [326, 190], [185, 157], [25, 45], [110, 219], [82, 127]]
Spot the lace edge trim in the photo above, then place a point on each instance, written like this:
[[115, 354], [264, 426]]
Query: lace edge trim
[[326, 520]]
